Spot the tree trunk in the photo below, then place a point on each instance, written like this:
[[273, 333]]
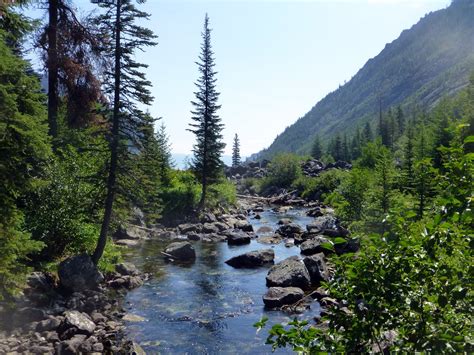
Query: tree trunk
[[111, 181], [53, 68]]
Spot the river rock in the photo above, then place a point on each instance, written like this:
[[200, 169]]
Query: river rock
[[127, 242], [350, 246], [270, 239], [49, 324], [81, 323], [193, 236], [290, 230], [238, 238], [131, 232], [71, 346], [291, 272], [284, 221], [320, 224], [127, 269], [78, 273], [317, 268], [208, 228], [314, 212], [280, 296], [244, 226], [315, 245], [265, 230], [252, 259], [189, 228], [183, 251], [336, 232]]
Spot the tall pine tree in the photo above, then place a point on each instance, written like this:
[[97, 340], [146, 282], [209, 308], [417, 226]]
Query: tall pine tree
[[316, 149], [207, 125], [236, 151], [127, 87]]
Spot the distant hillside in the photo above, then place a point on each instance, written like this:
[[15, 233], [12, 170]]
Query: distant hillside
[[430, 60]]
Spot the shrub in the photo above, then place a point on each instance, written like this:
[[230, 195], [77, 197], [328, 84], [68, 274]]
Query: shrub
[[222, 194], [182, 196], [283, 171]]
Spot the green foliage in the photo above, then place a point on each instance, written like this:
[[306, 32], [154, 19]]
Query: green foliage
[[319, 187], [222, 195], [182, 196], [283, 170]]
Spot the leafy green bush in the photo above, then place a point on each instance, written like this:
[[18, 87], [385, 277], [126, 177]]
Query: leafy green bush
[[318, 187], [182, 196], [283, 170], [222, 195]]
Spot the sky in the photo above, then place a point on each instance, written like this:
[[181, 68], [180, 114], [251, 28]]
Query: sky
[[275, 58]]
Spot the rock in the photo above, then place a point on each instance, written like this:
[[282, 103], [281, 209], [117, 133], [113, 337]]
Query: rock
[[49, 324], [284, 221], [209, 228], [40, 281], [315, 212], [137, 217], [133, 348], [320, 224], [317, 268], [290, 272], [193, 236], [213, 238], [131, 232], [257, 216], [221, 226], [290, 230], [189, 228], [127, 242], [315, 245], [133, 318], [30, 314], [280, 296], [78, 273], [182, 251], [209, 218], [244, 226], [71, 346], [238, 238], [167, 235], [336, 232], [350, 246], [270, 239], [98, 348], [76, 322], [98, 317], [265, 230], [252, 259], [127, 269]]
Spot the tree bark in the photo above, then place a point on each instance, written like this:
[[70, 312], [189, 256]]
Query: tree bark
[[53, 100], [111, 181]]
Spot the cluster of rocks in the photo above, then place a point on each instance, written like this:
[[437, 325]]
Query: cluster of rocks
[[80, 313], [314, 167]]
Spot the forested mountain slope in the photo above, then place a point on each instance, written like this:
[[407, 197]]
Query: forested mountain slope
[[431, 60]]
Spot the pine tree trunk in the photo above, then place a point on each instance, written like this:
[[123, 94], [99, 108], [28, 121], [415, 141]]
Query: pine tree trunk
[[111, 181], [53, 68]]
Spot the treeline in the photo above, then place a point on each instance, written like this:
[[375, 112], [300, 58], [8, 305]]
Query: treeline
[[77, 163], [408, 202]]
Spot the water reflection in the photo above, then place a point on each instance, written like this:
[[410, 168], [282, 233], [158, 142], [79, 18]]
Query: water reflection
[[206, 307]]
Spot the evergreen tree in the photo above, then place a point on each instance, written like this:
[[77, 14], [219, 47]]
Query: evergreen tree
[[337, 148], [236, 151], [442, 138], [127, 87], [409, 159], [207, 125], [367, 134], [346, 155], [166, 160], [400, 119], [316, 149], [356, 145]]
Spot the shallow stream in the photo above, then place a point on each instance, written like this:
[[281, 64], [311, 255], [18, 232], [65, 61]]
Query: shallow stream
[[207, 307]]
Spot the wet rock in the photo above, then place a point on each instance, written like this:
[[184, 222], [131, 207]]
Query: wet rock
[[290, 272], [244, 226], [280, 296], [290, 230], [315, 212], [193, 236], [182, 251], [167, 235], [71, 346], [209, 218], [79, 273], [238, 238], [133, 318], [317, 268], [98, 317], [81, 322], [270, 239], [257, 216], [315, 245], [213, 238], [131, 232], [49, 324], [127, 269], [189, 228], [209, 228], [336, 232], [252, 259], [30, 314], [221, 226], [127, 242]]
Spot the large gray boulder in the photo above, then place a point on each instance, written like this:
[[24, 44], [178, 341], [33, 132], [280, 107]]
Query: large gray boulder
[[189, 228], [320, 224], [290, 272], [290, 230], [127, 269], [238, 238], [317, 268], [252, 259], [182, 251], [244, 226], [280, 296], [80, 322], [315, 245], [78, 273]]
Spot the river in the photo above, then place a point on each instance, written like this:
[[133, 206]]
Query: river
[[207, 307]]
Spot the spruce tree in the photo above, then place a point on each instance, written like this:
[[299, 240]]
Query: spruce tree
[[236, 151], [166, 160], [207, 125], [367, 134], [316, 149], [127, 87]]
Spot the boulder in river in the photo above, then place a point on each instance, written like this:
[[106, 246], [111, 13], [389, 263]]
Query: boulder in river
[[317, 268], [290, 230], [189, 228], [252, 259], [78, 273], [291, 272], [182, 251], [320, 224], [270, 239], [238, 238], [265, 230], [244, 226], [316, 245], [280, 296], [127, 269]]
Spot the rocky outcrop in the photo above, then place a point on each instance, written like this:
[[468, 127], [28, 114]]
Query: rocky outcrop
[[181, 251], [252, 259], [280, 296], [290, 272], [78, 273]]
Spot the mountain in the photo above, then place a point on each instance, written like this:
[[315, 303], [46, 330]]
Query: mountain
[[432, 59]]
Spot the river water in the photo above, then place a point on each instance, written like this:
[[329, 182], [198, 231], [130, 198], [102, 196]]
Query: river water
[[207, 307]]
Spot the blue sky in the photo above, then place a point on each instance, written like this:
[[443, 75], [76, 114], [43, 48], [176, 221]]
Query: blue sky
[[276, 59]]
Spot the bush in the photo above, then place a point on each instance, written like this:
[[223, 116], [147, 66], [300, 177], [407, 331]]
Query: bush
[[318, 188], [222, 195], [182, 196], [283, 171]]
